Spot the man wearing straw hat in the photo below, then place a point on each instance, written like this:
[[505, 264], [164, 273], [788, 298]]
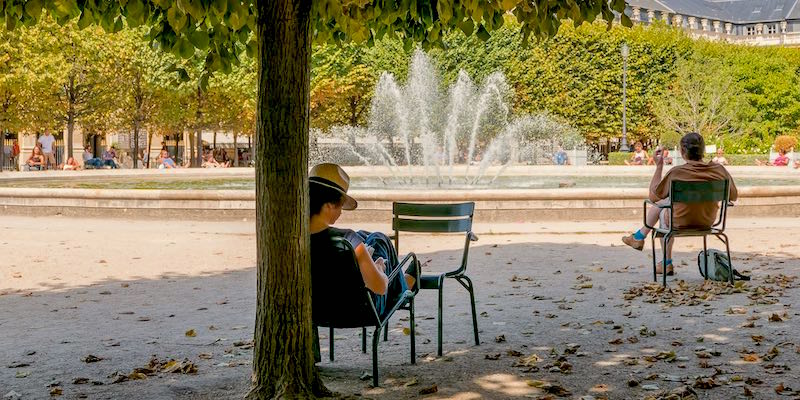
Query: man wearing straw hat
[[376, 256]]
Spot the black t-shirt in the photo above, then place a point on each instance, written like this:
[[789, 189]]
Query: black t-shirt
[[337, 285]]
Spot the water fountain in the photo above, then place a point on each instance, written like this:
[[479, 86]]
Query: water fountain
[[464, 136]]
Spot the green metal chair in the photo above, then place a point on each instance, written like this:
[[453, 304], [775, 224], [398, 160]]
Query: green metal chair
[[689, 193], [352, 307], [440, 218]]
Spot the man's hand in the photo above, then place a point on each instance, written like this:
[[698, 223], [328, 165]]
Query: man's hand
[[658, 157], [381, 264]]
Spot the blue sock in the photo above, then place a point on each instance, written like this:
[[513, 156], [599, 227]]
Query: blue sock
[[668, 262], [638, 235]]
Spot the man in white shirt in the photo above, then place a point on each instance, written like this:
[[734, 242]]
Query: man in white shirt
[[47, 141]]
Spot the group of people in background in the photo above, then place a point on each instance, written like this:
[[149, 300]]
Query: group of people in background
[[639, 156], [781, 160]]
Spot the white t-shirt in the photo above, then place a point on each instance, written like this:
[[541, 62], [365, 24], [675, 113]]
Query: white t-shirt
[[47, 143]]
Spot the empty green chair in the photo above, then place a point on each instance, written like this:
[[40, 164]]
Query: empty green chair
[[352, 306], [688, 193], [440, 218]]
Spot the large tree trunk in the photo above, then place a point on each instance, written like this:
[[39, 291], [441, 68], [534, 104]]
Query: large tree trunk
[[199, 148], [283, 361]]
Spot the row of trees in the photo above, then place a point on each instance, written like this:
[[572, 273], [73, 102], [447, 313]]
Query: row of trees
[[740, 97], [60, 77]]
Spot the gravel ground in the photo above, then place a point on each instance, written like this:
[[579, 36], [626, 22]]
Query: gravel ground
[[565, 310]]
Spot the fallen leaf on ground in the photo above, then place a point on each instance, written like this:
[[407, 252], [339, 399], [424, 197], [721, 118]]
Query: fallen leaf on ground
[[411, 382], [91, 359], [500, 339], [191, 333], [80, 381], [492, 356], [705, 383], [429, 390], [205, 356], [750, 358], [56, 391], [775, 318]]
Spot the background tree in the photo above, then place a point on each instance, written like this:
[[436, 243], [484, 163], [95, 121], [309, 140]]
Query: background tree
[[69, 77], [698, 101]]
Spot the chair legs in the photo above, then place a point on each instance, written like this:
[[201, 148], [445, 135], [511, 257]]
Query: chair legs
[[724, 238], [330, 340], [664, 245], [653, 246], [705, 257], [413, 327], [375, 339], [364, 340], [471, 290], [440, 327]]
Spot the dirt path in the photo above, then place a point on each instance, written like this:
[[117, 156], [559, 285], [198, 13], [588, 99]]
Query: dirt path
[[562, 306]]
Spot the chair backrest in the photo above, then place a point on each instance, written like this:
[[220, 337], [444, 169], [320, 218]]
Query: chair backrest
[[688, 192], [339, 298], [434, 218]]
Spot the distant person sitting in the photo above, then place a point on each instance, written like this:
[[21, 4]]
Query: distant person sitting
[[781, 160], [108, 158], [719, 158], [210, 162], [695, 215], [560, 157], [328, 184], [36, 161], [639, 156], [165, 161], [89, 160], [71, 165]]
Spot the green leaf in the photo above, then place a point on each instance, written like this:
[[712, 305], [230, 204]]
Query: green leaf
[[252, 48], [34, 8], [219, 7], [86, 19], [182, 48], [467, 26], [176, 18], [483, 34], [199, 39]]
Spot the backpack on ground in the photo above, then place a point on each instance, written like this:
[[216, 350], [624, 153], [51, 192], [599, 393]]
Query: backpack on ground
[[719, 267]]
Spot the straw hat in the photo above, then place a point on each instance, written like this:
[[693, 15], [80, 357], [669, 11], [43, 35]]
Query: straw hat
[[333, 176]]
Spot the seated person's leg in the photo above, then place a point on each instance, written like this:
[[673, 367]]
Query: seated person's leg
[[636, 239], [385, 249]]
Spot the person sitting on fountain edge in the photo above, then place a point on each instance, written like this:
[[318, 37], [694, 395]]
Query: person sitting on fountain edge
[[376, 256], [695, 215]]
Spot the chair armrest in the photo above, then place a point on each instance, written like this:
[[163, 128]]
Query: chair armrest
[[473, 237], [652, 204]]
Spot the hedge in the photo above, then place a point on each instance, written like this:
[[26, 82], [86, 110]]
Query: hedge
[[618, 158]]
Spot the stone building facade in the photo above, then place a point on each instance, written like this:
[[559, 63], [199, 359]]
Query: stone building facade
[[756, 22]]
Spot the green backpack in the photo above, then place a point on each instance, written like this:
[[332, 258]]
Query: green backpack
[[719, 267]]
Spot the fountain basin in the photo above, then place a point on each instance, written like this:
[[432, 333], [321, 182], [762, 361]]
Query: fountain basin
[[34, 194]]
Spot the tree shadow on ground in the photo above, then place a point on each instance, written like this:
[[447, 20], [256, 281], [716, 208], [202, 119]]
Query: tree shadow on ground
[[551, 315]]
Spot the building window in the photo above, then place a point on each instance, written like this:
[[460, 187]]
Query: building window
[[772, 29], [750, 30]]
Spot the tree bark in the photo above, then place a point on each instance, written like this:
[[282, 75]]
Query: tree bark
[[235, 150], [283, 361], [70, 116], [136, 144]]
